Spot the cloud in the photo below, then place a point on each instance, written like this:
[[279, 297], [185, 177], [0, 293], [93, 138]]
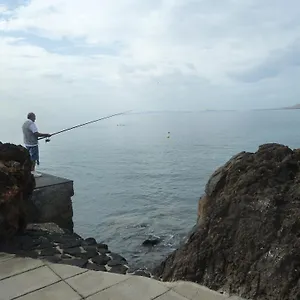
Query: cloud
[[151, 54], [276, 63]]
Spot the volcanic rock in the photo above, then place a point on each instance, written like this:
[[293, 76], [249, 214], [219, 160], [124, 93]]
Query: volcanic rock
[[247, 239], [16, 186], [151, 242]]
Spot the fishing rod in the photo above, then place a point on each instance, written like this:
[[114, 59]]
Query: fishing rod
[[83, 124]]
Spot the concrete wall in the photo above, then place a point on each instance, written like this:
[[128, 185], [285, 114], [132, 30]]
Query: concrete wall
[[51, 202]]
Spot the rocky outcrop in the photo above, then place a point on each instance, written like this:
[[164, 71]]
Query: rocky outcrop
[[16, 186], [248, 236]]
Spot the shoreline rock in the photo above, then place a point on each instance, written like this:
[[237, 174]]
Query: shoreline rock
[[51, 243], [247, 238]]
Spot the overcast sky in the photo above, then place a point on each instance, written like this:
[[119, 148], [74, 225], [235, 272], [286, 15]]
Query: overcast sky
[[91, 56]]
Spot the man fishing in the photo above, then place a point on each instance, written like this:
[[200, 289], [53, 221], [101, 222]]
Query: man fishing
[[30, 137]]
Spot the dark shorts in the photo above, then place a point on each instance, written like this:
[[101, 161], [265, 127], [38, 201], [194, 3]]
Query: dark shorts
[[34, 153]]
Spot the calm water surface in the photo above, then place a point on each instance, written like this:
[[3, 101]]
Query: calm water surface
[[132, 181]]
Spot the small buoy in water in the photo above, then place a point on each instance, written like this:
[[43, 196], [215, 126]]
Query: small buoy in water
[[168, 135]]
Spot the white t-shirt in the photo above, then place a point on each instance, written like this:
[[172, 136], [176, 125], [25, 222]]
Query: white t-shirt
[[33, 127]]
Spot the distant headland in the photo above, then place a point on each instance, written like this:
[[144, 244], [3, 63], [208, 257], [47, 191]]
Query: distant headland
[[297, 106]]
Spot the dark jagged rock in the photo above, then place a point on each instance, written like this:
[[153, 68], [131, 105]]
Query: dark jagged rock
[[77, 262], [248, 236], [113, 263], [151, 242], [16, 186], [73, 251], [142, 273], [101, 246], [38, 241], [95, 267], [88, 254], [90, 241], [119, 269], [53, 259], [101, 260], [117, 258], [67, 244], [49, 252]]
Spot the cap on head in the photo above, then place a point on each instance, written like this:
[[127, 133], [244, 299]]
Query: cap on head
[[31, 116]]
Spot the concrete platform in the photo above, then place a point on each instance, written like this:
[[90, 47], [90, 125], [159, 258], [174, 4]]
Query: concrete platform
[[48, 180], [30, 279]]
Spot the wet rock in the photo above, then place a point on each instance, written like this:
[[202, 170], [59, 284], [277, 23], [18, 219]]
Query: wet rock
[[49, 252], [103, 251], [101, 246], [247, 239], [113, 263], [73, 251], [88, 254], [31, 254], [67, 244], [95, 267], [101, 260], [52, 259], [118, 269], [151, 242], [75, 262], [142, 273], [117, 258], [49, 228], [90, 241]]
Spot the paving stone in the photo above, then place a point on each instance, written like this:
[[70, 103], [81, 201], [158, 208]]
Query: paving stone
[[5, 256], [27, 282], [65, 271], [194, 291], [133, 288], [57, 291], [92, 282], [173, 296], [18, 265]]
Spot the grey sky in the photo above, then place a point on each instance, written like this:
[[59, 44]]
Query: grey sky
[[76, 56]]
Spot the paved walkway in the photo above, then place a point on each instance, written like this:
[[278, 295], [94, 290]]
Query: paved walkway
[[33, 279]]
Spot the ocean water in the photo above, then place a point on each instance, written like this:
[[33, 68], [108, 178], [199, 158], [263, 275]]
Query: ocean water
[[131, 181]]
